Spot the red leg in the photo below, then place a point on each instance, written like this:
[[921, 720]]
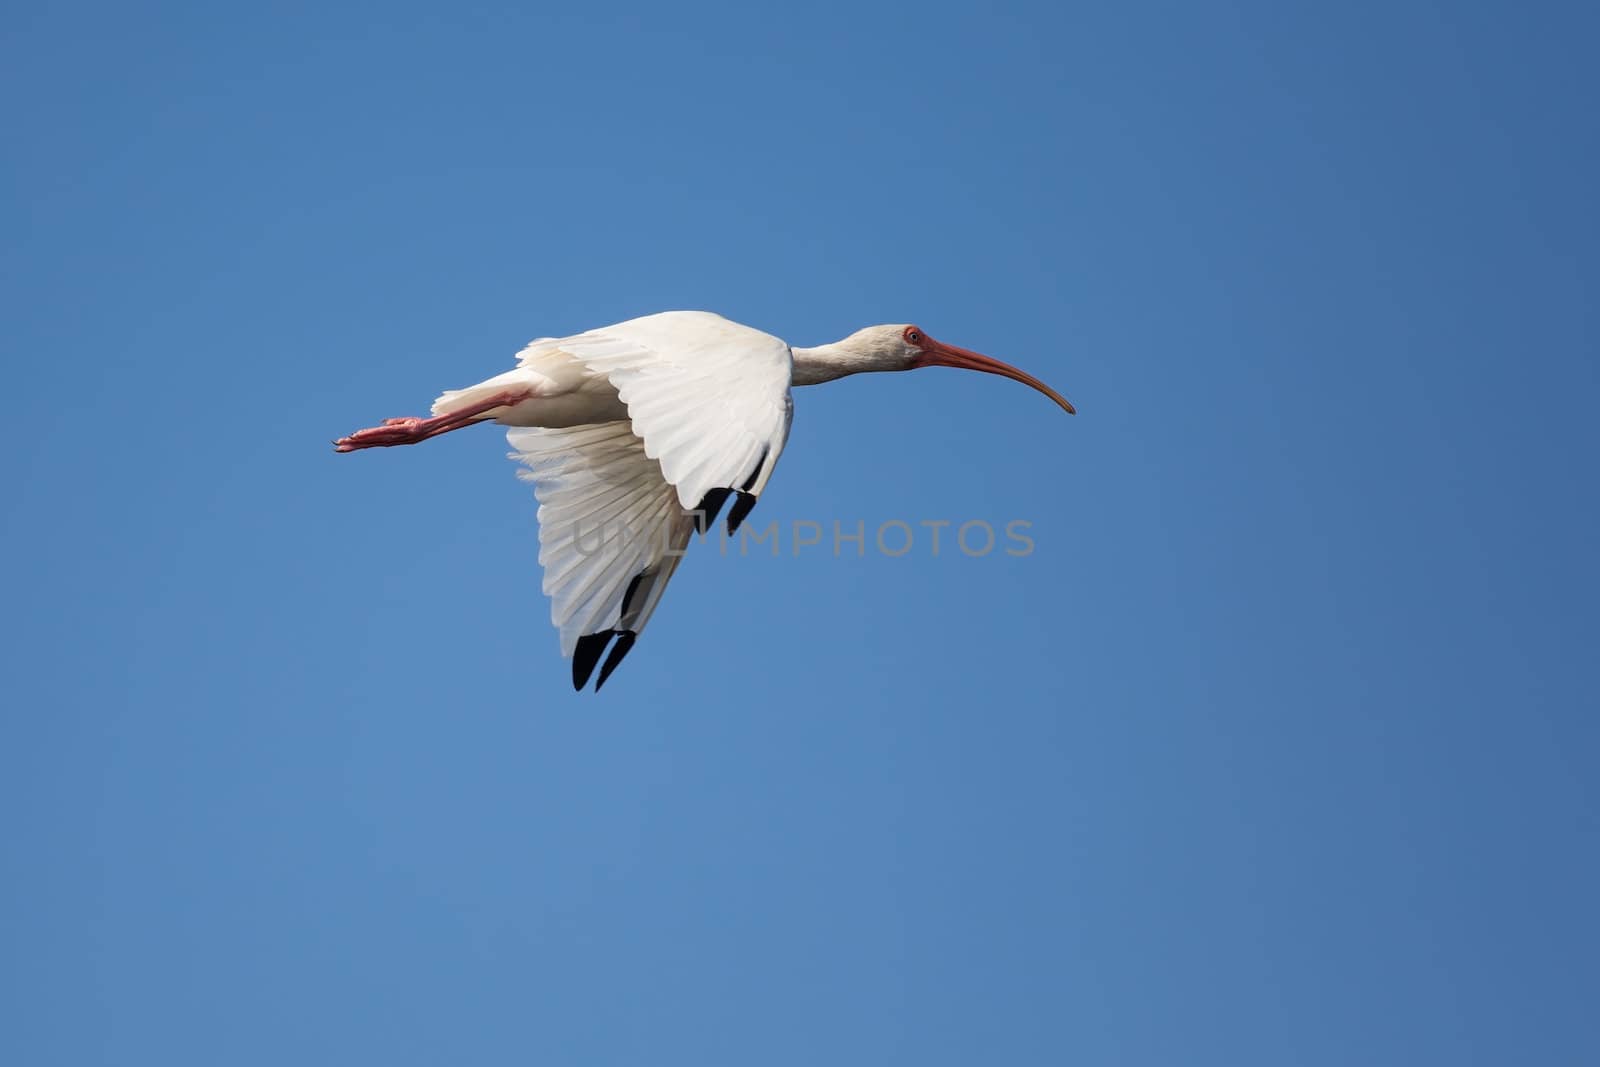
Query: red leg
[[410, 431]]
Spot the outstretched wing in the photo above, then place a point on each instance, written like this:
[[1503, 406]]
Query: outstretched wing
[[708, 408], [610, 535], [709, 397]]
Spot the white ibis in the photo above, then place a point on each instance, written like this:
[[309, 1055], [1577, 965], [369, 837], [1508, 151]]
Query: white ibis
[[652, 424]]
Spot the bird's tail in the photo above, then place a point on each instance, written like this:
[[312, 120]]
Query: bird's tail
[[453, 400]]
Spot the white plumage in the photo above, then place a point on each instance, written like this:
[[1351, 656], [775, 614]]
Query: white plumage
[[605, 515], [630, 431]]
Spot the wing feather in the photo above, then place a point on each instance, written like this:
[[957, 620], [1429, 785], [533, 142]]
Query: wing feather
[[606, 517], [706, 395], [708, 408]]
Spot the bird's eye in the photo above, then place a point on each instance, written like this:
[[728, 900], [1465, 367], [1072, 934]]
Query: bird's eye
[[914, 336]]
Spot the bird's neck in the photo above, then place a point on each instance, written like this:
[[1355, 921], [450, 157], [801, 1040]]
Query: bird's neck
[[825, 363]]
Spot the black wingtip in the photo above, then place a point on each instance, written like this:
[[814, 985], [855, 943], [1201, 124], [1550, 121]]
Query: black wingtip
[[756, 470], [740, 509], [627, 597], [624, 642], [710, 505], [586, 655]]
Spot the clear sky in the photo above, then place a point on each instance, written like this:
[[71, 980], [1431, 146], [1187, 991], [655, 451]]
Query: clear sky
[[1279, 748]]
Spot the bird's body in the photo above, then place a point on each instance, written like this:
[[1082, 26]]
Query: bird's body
[[636, 434], [564, 390]]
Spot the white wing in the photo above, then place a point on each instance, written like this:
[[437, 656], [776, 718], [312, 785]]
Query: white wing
[[610, 535], [709, 410], [710, 397]]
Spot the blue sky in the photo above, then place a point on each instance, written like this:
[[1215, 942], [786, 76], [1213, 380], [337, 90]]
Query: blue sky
[[1279, 748]]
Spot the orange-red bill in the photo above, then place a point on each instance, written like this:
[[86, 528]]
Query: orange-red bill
[[939, 354]]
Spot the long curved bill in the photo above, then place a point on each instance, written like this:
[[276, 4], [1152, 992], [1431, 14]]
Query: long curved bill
[[939, 354]]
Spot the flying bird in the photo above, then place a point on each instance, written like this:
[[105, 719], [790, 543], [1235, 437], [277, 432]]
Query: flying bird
[[636, 435]]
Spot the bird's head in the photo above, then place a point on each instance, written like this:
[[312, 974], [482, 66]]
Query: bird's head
[[908, 347]]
